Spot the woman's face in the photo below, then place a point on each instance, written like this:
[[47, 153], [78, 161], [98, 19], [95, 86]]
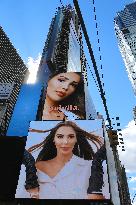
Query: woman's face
[[62, 85], [65, 139]]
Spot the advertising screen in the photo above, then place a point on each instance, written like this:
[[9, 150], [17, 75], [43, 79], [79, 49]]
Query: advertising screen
[[67, 160], [64, 97]]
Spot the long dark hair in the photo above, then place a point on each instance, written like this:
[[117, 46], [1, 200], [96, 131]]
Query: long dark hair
[[82, 148], [75, 99]]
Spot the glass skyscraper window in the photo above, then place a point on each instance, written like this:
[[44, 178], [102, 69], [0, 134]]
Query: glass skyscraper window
[[125, 29]]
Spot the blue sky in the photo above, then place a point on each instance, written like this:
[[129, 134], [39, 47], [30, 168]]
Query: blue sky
[[26, 23]]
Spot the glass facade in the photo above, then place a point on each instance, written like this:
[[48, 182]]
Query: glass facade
[[12, 75], [25, 109], [74, 64], [125, 29]]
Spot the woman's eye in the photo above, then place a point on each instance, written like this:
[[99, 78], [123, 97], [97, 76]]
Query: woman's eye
[[74, 85], [61, 80], [71, 136], [59, 136]]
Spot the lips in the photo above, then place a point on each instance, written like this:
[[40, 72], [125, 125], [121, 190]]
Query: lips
[[65, 148], [60, 93]]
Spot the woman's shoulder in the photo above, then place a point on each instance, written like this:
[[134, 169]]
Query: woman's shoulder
[[82, 161], [43, 164]]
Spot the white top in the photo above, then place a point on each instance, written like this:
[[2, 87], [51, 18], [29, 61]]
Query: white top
[[70, 115], [70, 183]]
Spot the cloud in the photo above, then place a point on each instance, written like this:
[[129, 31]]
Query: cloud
[[32, 65], [134, 203], [133, 179], [128, 156], [133, 188]]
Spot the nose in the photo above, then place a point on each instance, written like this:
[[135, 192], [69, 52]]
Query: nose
[[65, 86], [65, 140]]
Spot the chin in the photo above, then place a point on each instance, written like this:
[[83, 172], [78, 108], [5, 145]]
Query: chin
[[68, 152], [55, 98]]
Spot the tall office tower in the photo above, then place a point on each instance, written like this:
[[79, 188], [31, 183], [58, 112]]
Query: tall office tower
[[125, 29], [12, 73], [62, 52]]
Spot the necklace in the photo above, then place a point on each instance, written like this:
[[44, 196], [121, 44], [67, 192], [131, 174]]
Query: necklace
[[53, 115]]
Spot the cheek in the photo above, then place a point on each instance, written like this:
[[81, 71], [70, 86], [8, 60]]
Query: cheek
[[73, 142], [51, 85], [71, 91], [48, 90], [57, 142]]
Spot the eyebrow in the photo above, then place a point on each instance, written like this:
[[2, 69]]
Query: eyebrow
[[68, 134], [67, 78]]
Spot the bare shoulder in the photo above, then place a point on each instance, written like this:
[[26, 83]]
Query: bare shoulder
[[42, 165], [39, 164]]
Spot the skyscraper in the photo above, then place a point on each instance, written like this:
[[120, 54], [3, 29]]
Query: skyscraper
[[12, 74], [62, 43], [63, 51], [125, 29]]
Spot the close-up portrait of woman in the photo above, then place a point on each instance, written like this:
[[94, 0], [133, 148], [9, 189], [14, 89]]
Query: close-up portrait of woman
[[63, 162], [64, 97]]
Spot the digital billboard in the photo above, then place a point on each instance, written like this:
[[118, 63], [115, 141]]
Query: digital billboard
[[64, 97], [68, 159]]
